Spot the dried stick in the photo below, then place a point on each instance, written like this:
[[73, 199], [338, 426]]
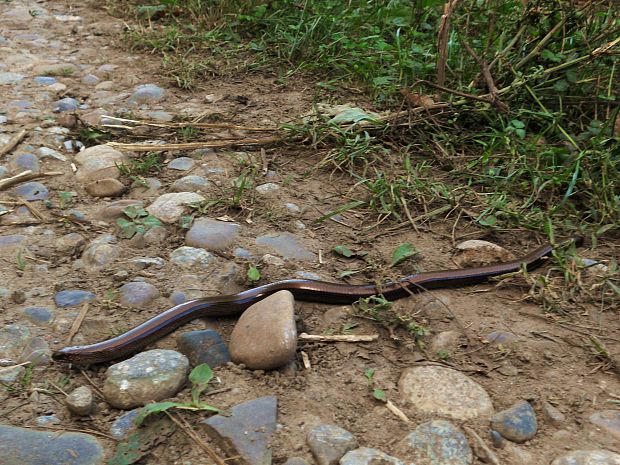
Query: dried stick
[[444, 31], [338, 338], [27, 175], [13, 142], [188, 124], [540, 44], [193, 145], [487, 77], [455, 92], [75, 327], [181, 423], [396, 411]]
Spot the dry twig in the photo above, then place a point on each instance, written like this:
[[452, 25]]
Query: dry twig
[[338, 338], [13, 142], [24, 176]]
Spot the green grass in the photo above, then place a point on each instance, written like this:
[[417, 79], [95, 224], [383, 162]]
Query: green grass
[[544, 157]]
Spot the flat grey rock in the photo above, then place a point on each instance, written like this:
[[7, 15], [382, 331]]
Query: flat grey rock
[[329, 443]]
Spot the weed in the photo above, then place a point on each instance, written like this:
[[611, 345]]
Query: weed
[[380, 309], [135, 168], [139, 222]]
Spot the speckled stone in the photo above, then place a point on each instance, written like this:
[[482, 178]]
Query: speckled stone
[[187, 257], [25, 161], [329, 443], [368, 456], [125, 424], [436, 442], [517, 423], [65, 104], [169, 207], [39, 315], [45, 80], [147, 93], [81, 401], [608, 421], [138, 294], [182, 164], [11, 241], [588, 457], [191, 183], [31, 191]]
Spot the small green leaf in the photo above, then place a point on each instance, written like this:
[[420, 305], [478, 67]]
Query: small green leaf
[[134, 211], [403, 252], [186, 221], [561, 85], [489, 220], [379, 394], [517, 124], [344, 251], [151, 222], [156, 407], [370, 375], [128, 228], [253, 274], [200, 378], [345, 273]]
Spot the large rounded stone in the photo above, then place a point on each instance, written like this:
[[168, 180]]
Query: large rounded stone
[[211, 234], [98, 162], [169, 207], [435, 390], [436, 442], [329, 443], [138, 294], [108, 187], [517, 423], [81, 401], [149, 376], [265, 336]]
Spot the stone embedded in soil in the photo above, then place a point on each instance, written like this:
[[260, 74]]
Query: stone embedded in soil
[[435, 390], [156, 236], [13, 338], [187, 257], [149, 376], [11, 240], [9, 375], [267, 188], [30, 447], [368, 456], [308, 275], [72, 298], [517, 423], [45, 80], [108, 187], [98, 162], [287, 245], [36, 351], [147, 262], [47, 420], [115, 209], [247, 431], [147, 93], [142, 191], [182, 164], [497, 439], [6, 77], [269, 259], [138, 294], [588, 457], [445, 341], [296, 461], [265, 337], [191, 183], [608, 421], [552, 414], [65, 104], [329, 443], [293, 208], [39, 315], [81, 401], [101, 252], [501, 337], [125, 424], [211, 234], [31, 191], [476, 253], [25, 161], [203, 346], [169, 207], [46, 152], [90, 80], [436, 442]]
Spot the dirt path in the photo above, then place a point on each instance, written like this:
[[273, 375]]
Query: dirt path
[[55, 236]]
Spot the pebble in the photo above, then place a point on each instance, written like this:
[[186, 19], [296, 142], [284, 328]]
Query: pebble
[[588, 457], [125, 424], [212, 234], [477, 253], [90, 80], [517, 423], [98, 162], [293, 208], [287, 245], [436, 390], [329, 443], [191, 183], [269, 259], [368, 456], [138, 294], [39, 315], [37, 352], [240, 252], [13, 338], [182, 164], [265, 337], [553, 415], [158, 115], [188, 257], [10, 78], [11, 240], [31, 191], [267, 188], [114, 210], [45, 80], [308, 275], [26, 446], [81, 401], [147, 262], [247, 431], [296, 461], [608, 421], [72, 298], [25, 161], [148, 376], [203, 346], [101, 252], [156, 235], [147, 93], [108, 187], [65, 104], [497, 439], [445, 343], [169, 207], [501, 337], [47, 420], [436, 442], [46, 152]]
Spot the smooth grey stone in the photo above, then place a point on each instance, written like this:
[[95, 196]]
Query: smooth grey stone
[[588, 457], [182, 164], [39, 315], [26, 161], [65, 104], [240, 252], [45, 80], [81, 401], [608, 421], [146, 377], [191, 183], [329, 443], [188, 257], [553, 415], [169, 207], [517, 423], [267, 188], [246, 432], [47, 420], [90, 79], [203, 346], [211, 234], [6, 77], [21, 446], [147, 93], [31, 191], [125, 424], [138, 294], [13, 338], [147, 262], [11, 240], [368, 456], [287, 245], [72, 298], [46, 152]]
